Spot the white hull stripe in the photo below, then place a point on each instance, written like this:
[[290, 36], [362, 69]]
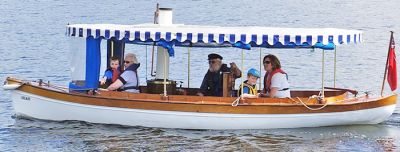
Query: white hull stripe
[[35, 106]]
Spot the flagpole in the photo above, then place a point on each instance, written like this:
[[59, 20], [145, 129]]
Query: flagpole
[[387, 61]]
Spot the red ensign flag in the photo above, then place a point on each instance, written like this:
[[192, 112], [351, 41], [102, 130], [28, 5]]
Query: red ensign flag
[[392, 70]]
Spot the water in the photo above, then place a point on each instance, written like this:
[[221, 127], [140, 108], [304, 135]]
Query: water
[[33, 46]]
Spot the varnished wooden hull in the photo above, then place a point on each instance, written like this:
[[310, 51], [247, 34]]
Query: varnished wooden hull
[[192, 112]]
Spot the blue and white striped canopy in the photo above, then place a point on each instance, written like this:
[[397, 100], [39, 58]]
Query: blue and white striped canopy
[[181, 35]]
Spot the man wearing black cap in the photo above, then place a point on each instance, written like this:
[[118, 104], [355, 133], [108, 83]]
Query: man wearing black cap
[[212, 82]]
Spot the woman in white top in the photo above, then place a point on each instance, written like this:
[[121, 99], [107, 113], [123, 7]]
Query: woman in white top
[[276, 83]]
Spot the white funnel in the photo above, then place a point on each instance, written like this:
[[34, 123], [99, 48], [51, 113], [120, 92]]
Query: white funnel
[[164, 16], [162, 68]]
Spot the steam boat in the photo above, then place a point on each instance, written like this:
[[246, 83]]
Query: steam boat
[[162, 104]]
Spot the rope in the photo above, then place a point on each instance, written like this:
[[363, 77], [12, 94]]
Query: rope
[[366, 94], [326, 103], [236, 102], [313, 96]]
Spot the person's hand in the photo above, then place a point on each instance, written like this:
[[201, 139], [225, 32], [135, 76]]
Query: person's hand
[[200, 94], [262, 95], [233, 65], [236, 71], [249, 96], [101, 89], [102, 81]]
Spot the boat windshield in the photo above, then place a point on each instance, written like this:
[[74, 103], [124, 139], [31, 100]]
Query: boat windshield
[[77, 49]]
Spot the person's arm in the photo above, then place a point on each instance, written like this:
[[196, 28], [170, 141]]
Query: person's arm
[[235, 70], [107, 75], [120, 81], [245, 95], [273, 92], [116, 85], [276, 84], [203, 86]]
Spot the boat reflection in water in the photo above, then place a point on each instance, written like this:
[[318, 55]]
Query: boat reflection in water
[[77, 135]]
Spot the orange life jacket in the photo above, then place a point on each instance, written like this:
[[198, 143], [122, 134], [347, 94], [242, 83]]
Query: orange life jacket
[[268, 78], [115, 74]]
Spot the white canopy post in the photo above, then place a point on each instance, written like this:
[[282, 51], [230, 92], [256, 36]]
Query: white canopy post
[[241, 78], [188, 81], [146, 62], [334, 70], [323, 70], [261, 64]]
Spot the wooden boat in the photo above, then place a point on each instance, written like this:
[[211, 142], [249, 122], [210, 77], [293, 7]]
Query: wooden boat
[[180, 107]]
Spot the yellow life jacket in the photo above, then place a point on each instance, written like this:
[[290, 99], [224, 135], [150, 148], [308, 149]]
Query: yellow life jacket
[[252, 89]]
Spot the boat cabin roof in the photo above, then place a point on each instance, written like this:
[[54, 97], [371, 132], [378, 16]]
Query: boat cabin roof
[[196, 35]]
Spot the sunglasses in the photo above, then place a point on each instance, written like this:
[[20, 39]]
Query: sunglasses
[[267, 62], [127, 61], [212, 62]]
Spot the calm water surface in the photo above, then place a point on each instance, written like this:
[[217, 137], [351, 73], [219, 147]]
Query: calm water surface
[[33, 46]]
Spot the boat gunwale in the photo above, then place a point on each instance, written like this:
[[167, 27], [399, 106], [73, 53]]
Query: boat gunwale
[[204, 102], [201, 102], [265, 108]]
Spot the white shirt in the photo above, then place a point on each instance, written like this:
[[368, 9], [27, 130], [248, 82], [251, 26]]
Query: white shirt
[[279, 81]]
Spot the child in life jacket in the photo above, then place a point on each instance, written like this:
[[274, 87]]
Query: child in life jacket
[[249, 86], [112, 73]]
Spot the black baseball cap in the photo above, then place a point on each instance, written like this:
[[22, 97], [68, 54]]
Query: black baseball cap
[[214, 56]]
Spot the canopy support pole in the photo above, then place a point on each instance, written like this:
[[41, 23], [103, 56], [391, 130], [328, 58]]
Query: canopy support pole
[[156, 13], [334, 70], [188, 81], [241, 78], [323, 69], [112, 48], [261, 63], [146, 63], [152, 62]]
